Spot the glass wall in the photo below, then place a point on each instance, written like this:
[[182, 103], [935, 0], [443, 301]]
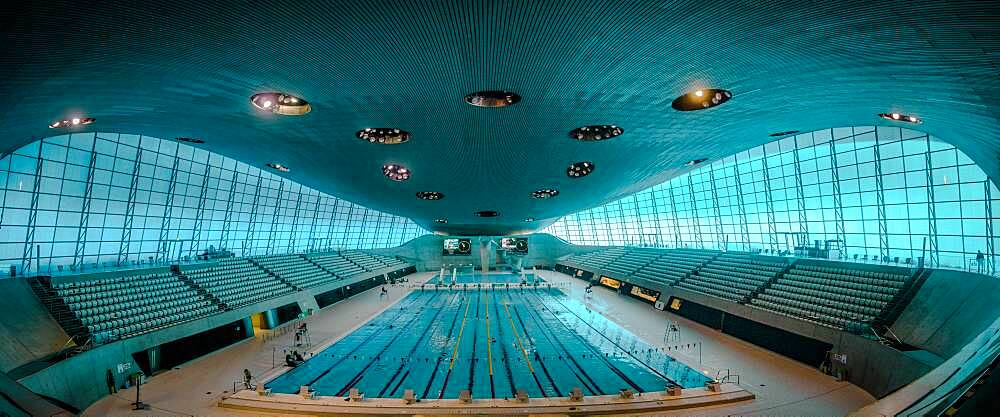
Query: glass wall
[[874, 193], [97, 200]]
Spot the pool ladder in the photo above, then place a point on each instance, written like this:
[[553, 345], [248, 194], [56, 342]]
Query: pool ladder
[[728, 377]]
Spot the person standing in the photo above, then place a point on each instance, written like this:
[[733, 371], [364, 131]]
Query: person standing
[[980, 259], [110, 379]]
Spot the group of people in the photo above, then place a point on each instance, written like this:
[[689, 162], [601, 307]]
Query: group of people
[[294, 358]]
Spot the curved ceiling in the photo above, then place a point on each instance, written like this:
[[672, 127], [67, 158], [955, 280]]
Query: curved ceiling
[[188, 68]]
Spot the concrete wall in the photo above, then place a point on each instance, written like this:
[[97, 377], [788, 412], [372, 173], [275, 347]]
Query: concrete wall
[[425, 251], [951, 308], [27, 331]]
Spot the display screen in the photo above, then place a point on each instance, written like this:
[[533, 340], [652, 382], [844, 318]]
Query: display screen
[[457, 247], [645, 294], [611, 282], [514, 244]]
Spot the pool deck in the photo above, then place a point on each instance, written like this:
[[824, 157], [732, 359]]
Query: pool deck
[[590, 405]]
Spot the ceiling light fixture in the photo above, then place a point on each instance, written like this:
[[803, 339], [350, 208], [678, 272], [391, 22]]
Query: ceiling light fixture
[[897, 117], [277, 167], [694, 162], [384, 135], [544, 193], [190, 140], [580, 169], [595, 133], [429, 195], [701, 99], [492, 98], [280, 103], [785, 133], [76, 121], [487, 213], [396, 172], [529, 219], [441, 221]]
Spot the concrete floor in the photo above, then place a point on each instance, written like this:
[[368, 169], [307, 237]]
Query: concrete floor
[[783, 386]]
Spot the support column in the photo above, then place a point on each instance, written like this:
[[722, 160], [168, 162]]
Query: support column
[[656, 216], [990, 251], [720, 233], [329, 227], [274, 219], [744, 229], [123, 247], [199, 217], [838, 203], [312, 225], [771, 227], [81, 233], [252, 225], [163, 252], [800, 195], [694, 214], [227, 219], [677, 224], [29, 238], [295, 221], [932, 238], [883, 235]]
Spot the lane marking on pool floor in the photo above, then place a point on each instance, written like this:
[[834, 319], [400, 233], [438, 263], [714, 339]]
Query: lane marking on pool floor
[[461, 330], [518, 338]]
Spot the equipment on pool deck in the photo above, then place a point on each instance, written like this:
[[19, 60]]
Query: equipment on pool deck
[[263, 392], [465, 396], [576, 394], [356, 395], [714, 386], [307, 393], [522, 396], [625, 394], [674, 390], [409, 397]]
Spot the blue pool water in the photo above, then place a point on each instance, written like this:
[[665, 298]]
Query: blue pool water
[[491, 342]]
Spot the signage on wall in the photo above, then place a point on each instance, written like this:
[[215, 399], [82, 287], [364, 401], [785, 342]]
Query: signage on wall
[[840, 357], [122, 367]]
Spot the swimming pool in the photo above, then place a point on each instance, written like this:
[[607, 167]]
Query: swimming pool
[[492, 343]]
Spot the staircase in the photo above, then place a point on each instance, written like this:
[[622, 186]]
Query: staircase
[[767, 284], [201, 291], [275, 275], [321, 267], [59, 311], [895, 307]]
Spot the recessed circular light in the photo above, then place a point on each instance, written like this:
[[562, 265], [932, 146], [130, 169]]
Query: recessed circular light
[[383, 135], [580, 169], [596, 132], [190, 140], [493, 98], [429, 195], [396, 172], [701, 99], [277, 167], [897, 117], [544, 193], [529, 219], [76, 121], [785, 133], [694, 162], [280, 103], [441, 221], [487, 213]]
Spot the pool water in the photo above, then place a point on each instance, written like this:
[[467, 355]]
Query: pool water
[[492, 343]]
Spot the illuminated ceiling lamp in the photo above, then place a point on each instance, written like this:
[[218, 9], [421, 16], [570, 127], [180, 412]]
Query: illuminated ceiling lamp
[[281, 103], [701, 99], [73, 122]]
